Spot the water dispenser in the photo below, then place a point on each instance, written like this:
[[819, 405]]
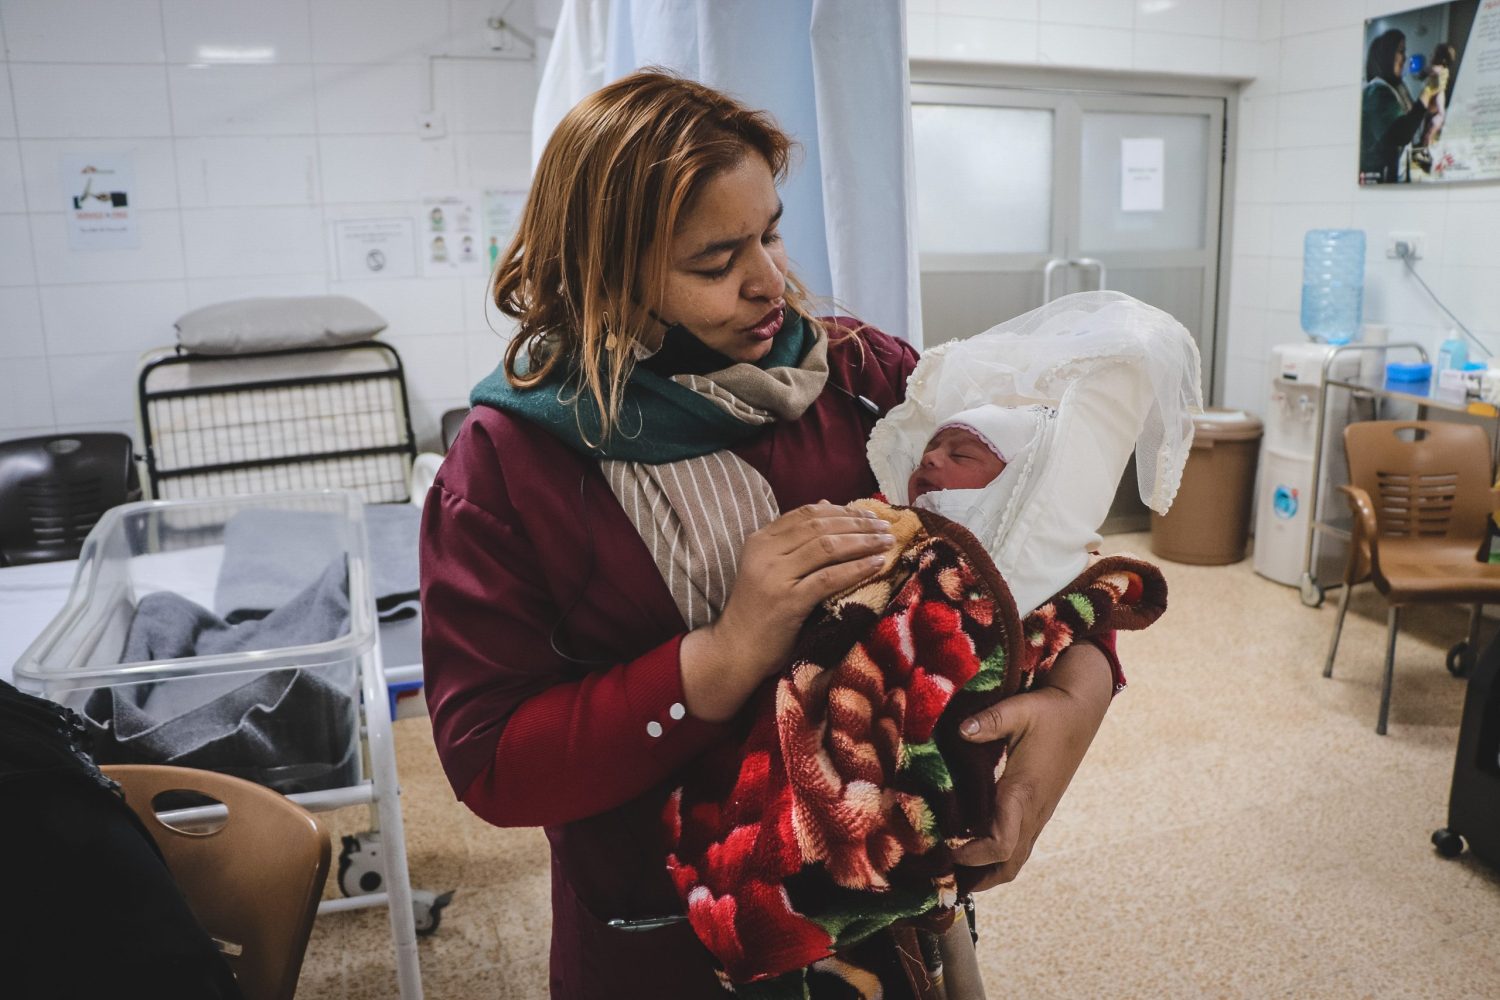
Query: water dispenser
[[1286, 463]]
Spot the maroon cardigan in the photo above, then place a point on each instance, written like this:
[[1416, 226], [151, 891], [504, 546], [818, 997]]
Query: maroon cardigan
[[550, 644]]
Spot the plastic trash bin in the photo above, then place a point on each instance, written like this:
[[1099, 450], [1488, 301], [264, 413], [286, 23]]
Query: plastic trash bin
[[1209, 522]]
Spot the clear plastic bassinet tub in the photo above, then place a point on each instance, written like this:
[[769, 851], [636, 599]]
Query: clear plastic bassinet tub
[[227, 634]]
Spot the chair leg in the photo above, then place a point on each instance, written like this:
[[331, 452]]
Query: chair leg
[[1390, 669], [1338, 629]]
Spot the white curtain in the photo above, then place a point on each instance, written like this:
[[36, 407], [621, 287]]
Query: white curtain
[[832, 72]]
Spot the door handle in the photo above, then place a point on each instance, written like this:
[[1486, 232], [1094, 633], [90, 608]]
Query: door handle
[[1047, 273], [1093, 262], [1056, 263]]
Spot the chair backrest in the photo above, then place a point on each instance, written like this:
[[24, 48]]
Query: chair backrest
[[1425, 478], [307, 418], [453, 422], [253, 883], [53, 489]]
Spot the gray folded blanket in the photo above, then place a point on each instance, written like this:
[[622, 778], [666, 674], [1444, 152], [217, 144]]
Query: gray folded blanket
[[271, 555], [291, 729]]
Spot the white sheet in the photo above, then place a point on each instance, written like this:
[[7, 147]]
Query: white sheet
[[29, 598]]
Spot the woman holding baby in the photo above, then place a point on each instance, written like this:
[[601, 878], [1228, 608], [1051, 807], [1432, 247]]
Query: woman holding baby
[[647, 501]]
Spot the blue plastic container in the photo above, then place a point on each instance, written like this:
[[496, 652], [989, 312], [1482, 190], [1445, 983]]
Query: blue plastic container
[[1413, 377], [1333, 284]]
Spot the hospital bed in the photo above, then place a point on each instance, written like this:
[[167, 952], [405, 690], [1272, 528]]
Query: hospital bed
[[176, 549]]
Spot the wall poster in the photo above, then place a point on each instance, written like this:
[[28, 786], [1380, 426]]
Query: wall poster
[[375, 248], [1430, 108], [449, 234], [502, 216], [98, 187]]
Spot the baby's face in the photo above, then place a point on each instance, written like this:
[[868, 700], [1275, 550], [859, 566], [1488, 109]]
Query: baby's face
[[953, 460]]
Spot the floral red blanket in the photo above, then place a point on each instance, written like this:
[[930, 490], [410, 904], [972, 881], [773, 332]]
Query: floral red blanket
[[836, 811]]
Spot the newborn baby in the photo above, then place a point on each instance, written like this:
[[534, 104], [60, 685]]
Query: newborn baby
[[970, 450]]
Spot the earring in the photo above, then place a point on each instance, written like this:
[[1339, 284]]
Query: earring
[[610, 340]]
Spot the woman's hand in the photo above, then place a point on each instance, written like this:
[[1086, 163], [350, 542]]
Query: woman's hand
[[786, 569], [1049, 728]]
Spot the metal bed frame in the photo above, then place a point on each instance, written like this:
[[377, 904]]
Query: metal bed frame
[[215, 425]]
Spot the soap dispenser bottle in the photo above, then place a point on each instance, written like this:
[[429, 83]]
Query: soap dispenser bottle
[[1453, 353]]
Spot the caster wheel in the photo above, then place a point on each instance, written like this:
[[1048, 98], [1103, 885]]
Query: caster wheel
[[1448, 843], [1460, 659], [428, 908], [361, 871], [1311, 592]]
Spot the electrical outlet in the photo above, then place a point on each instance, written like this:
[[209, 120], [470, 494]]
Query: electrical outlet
[[431, 124], [1415, 243]]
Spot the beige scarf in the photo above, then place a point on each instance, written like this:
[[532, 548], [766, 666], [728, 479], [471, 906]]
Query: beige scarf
[[695, 514]]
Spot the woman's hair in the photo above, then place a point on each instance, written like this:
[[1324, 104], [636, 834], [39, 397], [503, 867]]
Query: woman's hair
[[1444, 54], [589, 259], [1382, 54]]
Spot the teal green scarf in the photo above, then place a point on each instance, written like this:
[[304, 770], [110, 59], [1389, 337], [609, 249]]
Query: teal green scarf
[[664, 419]]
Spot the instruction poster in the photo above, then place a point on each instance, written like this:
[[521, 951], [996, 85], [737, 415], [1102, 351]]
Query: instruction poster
[[450, 235], [375, 248], [1430, 97], [502, 216], [99, 188]]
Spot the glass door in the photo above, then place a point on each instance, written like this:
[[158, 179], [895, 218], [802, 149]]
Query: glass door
[[1025, 195], [987, 219], [1146, 202]]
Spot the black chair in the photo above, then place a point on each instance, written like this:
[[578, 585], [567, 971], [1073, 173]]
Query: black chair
[[53, 489]]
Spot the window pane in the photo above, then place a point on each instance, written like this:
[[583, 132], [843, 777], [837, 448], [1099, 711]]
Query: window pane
[[984, 179], [1183, 179]]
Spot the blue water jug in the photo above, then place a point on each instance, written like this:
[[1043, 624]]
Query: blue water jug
[[1333, 284]]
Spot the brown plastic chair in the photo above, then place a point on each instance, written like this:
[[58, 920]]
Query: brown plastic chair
[[253, 883], [1420, 495]]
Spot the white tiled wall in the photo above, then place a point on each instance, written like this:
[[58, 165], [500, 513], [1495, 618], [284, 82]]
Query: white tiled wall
[[1297, 162], [251, 127], [1200, 37]]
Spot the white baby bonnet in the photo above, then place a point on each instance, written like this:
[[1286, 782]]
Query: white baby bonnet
[[1005, 430], [1100, 374]]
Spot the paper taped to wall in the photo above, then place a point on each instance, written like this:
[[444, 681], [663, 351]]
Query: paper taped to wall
[[375, 248]]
